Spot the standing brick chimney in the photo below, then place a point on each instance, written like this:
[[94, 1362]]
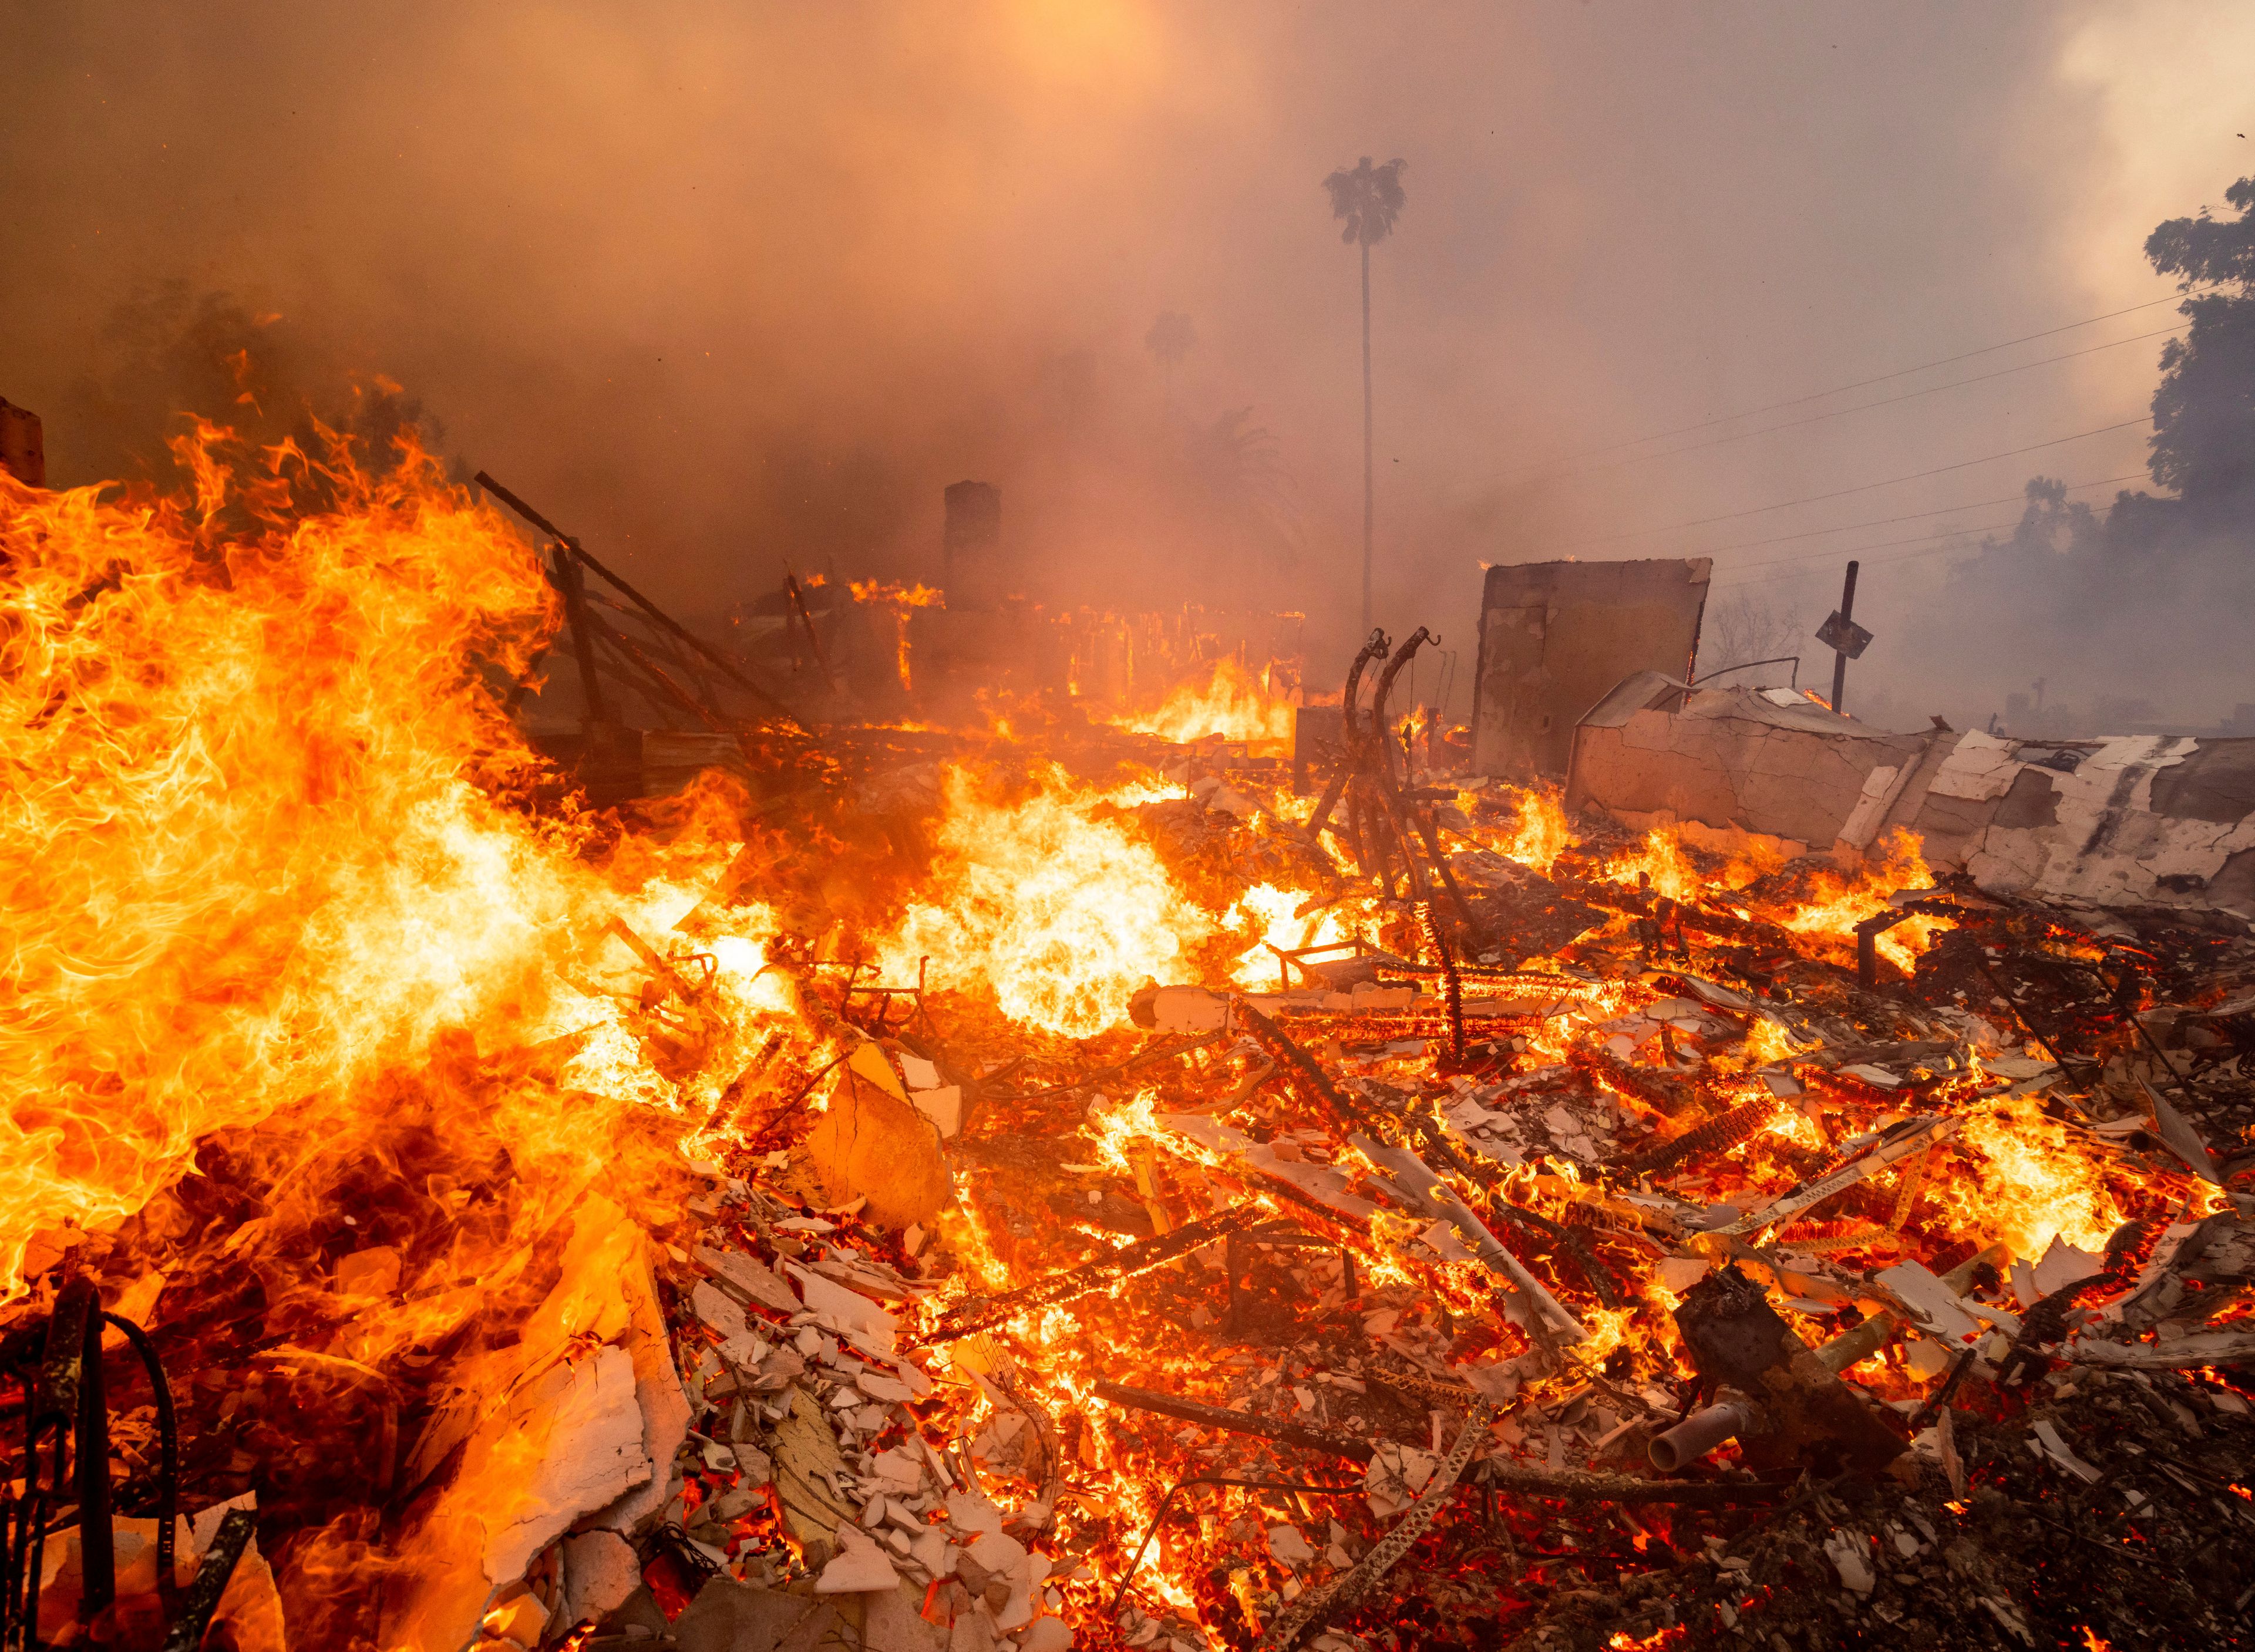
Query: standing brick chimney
[[971, 546]]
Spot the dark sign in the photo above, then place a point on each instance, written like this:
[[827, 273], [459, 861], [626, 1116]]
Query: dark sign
[[1844, 635]]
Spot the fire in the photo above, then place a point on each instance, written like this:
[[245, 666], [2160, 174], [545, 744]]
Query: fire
[[2033, 1180], [246, 857], [916, 596], [1843, 902], [1661, 859], [260, 858], [1539, 832], [1062, 915], [1287, 925], [1233, 703]]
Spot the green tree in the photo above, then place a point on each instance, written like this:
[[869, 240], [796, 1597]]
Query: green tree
[[2204, 408], [1367, 200]]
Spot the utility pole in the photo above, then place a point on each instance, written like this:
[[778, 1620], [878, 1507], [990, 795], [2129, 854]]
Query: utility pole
[[1844, 637], [1368, 509], [1840, 660]]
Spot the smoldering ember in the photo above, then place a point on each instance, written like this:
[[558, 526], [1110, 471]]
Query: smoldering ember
[[930, 1123]]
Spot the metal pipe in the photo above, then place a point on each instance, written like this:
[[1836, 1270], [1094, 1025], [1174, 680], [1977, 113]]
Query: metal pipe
[[1699, 1433]]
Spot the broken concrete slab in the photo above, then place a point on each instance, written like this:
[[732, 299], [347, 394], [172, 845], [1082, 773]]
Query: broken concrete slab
[[1737, 764], [600, 1572], [2138, 821]]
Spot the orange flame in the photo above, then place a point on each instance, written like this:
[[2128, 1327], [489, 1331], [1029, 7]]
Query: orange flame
[[1233, 703], [244, 855], [916, 596], [1843, 902], [1064, 916]]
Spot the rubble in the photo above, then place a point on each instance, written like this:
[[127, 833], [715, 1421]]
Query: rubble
[[1105, 1201], [2143, 821]]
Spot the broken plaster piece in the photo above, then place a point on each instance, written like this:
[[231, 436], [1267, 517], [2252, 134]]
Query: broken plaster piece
[[871, 1141], [1932, 1304], [860, 1568], [600, 1572], [1979, 766], [1850, 1554], [848, 1313], [754, 1278]]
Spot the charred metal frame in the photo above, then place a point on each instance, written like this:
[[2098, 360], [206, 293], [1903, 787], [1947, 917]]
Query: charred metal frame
[[57, 1368]]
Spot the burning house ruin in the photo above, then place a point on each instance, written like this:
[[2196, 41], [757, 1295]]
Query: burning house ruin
[[1033, 1182]]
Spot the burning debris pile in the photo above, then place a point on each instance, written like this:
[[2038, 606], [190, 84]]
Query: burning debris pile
[[1029, 1192]]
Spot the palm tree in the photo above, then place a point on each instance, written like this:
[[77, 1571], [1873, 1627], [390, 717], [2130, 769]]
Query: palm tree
[[1169, 340], [1369, 198]]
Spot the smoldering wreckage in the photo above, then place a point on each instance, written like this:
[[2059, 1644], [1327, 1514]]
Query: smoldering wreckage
[[843, 1168]]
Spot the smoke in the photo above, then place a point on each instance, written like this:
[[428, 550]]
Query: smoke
[[724, 290]]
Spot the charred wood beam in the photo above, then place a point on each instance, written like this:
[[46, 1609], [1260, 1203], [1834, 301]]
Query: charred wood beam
[[617, 639], [1220, 1416], [1568, 1485], [806, 620], [233, 1538], [982, 1313], [1665, 1094], [1717, 1135], [1296, 1487], [1306, 1617], [1299, 1068], [1432, 841], [564, 574], [1425, 1388], [1454, 985]]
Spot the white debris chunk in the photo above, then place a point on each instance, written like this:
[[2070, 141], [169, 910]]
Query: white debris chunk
[[1679, 1274], [972, 1513], [754, 1280], [1289, 1547], [2060, 1266], [861, 1567], [897, 1470], [1932, 1303], [879, 1386], [1850, 1554], [738, 1344], [2050, 1445], [599, 1572], [847, 1313]]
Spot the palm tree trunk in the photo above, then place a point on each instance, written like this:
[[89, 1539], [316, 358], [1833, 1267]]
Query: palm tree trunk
[[1368, 511]]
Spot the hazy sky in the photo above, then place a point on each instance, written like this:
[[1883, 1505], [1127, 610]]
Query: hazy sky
[[722, 285]]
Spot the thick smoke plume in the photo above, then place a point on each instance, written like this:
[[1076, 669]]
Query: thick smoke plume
[[730, 289]]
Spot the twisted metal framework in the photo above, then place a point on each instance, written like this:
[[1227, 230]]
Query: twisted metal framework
[[57, 1366]]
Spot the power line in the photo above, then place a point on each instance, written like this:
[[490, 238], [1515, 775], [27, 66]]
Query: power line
[[1942, 540], [1865, 488], [1899, 372], [1866, 407], [1877, 562], [1912, 516], [1943, 544]]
